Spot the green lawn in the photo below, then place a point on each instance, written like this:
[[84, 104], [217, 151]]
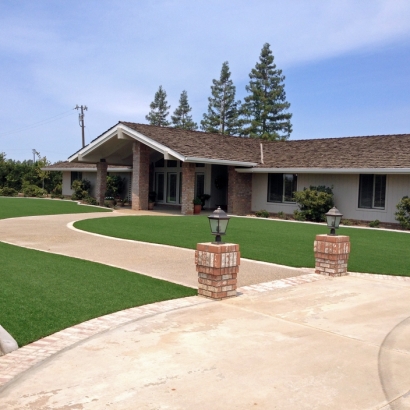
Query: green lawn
[[15, 207], [285, 243], [42, 293]]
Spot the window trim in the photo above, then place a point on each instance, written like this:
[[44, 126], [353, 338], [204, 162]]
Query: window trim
[[283, 196], [359, 199]]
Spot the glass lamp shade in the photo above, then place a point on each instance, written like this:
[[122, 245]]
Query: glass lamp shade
[[218, 222], [333, 218]]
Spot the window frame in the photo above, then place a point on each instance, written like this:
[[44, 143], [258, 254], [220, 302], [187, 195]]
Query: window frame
[[362, 191], [282, 185]]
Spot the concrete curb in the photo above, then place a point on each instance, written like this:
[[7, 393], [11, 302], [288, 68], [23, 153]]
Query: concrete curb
[[7, 343]]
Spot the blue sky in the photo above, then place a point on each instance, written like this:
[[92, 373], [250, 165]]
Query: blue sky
[[346, 64]]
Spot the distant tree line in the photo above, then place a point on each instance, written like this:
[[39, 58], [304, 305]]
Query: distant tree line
[[27, 177], [263, 114]]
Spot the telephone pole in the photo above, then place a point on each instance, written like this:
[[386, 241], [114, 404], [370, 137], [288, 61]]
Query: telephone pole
[[81, 119]]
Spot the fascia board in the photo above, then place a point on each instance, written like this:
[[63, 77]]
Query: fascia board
[[325, 170], [150, 142], [109, 169], [220, 162]]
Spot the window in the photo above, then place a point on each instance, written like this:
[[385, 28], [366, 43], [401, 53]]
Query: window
[[372, 191], [199, 184], [76, 176], [281, 187]]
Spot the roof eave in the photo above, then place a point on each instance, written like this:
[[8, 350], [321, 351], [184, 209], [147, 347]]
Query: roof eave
[[325, 170]]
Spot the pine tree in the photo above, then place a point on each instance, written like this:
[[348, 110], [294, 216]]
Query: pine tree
[[265, 109], [181, 119], [223, 110], [159, 109]]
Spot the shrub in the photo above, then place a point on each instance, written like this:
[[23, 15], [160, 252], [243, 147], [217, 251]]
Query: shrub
[[314, 202], [346, 222], [81, 189], [403, 212], [115, 186], [90, 200], [57, 190], [6, 191], [374, 224], [262, 213], [34, 191], [281, 215], [299, 216]]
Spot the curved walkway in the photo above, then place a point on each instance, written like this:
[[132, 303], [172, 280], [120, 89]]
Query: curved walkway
[[53, 234], [332, 343]]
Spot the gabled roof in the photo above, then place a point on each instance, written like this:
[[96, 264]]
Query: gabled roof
[[349, 154]]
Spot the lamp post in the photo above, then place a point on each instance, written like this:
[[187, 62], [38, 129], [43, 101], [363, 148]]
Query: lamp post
[[218, 222], [333, 218]]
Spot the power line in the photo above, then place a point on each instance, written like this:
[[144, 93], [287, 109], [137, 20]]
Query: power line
[[38, 124]]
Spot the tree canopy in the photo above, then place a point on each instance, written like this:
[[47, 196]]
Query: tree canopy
[[265, 108], [223, 110], [181, 117], [159, 109]]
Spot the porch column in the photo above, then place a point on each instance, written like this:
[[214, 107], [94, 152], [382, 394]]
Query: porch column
[[188, 188], [101, 183], [140, 176], [239, 192]]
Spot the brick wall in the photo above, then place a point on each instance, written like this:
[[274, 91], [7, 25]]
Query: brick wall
[[188, 188], [331, 254], [140, 176], [239, 192], [217, 267], [101, 183]]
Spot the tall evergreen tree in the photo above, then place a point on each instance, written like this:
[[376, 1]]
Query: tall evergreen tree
[[223, 110], [265, 108], [159, 109], [181, 117]]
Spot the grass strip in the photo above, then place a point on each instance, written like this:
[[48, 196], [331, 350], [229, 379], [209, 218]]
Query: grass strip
[[42, 293], [285, 243], [16, 207]]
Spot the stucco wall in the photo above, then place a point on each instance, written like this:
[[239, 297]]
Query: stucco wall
[[346, 191]]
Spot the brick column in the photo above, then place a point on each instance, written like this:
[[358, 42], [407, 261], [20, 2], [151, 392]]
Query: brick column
[[188, 188], [101, 183], [140, 176], [217, 267], [331, 254], [239, 192]]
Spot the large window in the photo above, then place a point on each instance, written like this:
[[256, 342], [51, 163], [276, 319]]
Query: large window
[[76, 176], [281, 187], [372, 191]]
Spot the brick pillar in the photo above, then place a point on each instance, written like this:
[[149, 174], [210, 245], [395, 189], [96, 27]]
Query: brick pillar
[[239, 192], [217, 267], [188, 188], [331, 254], [101, 183], [140, 176]]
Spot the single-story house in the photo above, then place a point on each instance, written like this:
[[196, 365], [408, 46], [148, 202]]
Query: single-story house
[[369, 175]]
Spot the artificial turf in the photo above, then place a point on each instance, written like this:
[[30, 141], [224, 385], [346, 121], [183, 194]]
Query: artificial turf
[[282, 242], [15, 207], [42, 293]]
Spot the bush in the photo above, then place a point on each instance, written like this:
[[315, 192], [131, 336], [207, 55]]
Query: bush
[[299, 216], [314, 202], [346, 222], [6, 191], [115, 186], [81, 189], [57, 190], [281, 215], [262, 213], [90, 200], [403, 212], [374, 224], [34, 191]]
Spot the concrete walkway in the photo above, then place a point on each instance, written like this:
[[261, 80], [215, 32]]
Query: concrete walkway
[[307, 342], [52, 234]]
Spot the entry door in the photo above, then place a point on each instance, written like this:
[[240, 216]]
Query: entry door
[[172, 183]]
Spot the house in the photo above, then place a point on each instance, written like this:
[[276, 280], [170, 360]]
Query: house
[[369, 175]]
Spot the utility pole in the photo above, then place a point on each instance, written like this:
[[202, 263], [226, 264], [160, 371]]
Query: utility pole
[[81, 119]]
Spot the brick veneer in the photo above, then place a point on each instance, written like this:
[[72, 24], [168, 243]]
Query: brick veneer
[[188, 188], [101, 183], [140, 176], [239, 192], [217, 267], [331, 254]]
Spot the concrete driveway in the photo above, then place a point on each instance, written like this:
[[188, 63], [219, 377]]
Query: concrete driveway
[[308, 342]]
